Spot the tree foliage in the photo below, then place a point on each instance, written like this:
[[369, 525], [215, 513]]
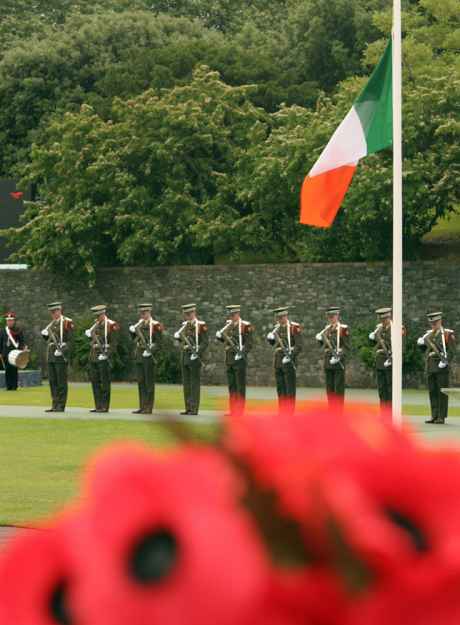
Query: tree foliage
[[165, 131]]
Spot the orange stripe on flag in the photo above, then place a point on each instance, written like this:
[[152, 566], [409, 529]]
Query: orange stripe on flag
[[322, 195]]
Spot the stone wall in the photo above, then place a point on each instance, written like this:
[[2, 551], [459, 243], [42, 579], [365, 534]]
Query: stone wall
[[308, 288]]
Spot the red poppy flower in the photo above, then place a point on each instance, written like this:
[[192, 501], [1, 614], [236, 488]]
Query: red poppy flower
[[37, 577], [168, 542], [292, 453], [16, 195]]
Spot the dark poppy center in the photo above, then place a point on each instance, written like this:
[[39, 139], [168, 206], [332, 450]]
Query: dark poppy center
[[415, 533], [58, 605], [153, 557]]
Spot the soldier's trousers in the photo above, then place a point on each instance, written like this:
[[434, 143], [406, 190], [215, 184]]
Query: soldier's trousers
[[384, 385], [439, 401], [335, 387], [100, 377], [11, 376], [191, 380], [286, 387], [236, 376], [145, 372], [57, 376]]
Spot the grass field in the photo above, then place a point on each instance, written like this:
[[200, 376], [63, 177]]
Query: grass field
[[41, 458], [124, 396]]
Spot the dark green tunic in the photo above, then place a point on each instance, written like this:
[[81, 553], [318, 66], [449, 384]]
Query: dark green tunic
[[194, 340], [147, 337], [437, 350], [59, 339], [336, 342], [286, 372], [236, 361], [103, 345]]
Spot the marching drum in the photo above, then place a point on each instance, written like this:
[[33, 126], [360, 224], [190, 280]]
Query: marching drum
[[19, 358]]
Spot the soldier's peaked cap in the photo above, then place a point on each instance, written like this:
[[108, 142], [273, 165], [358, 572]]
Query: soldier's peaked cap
[[99, 309], [188, 308], [145, 306], [383, 312], [283, 310], [54, 305], [233, 308], [434, 316], [333, 310]]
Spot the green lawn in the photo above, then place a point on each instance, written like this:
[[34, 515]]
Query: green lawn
[[41, 458], [446, 229], [123, 397]]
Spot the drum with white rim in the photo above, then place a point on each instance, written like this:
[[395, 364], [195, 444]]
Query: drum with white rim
[[19, 358]]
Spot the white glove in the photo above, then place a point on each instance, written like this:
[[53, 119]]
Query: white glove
[[177, 335], [132, 329], [442, 364], [146, 353], [57, 352], [271, 336], [45, 332], [218, 334], [340, 350], [372, 336], [286, 360], [421, 341], [88, 333], [319, 337], [63, 344], [194, 356], [102, 357]]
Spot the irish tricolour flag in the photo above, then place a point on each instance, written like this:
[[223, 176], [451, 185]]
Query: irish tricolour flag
[[367, 128]]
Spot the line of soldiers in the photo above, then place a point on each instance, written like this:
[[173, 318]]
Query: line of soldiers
[[236, 335]]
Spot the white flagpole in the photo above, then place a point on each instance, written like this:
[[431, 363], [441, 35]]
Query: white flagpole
[[397, 218]]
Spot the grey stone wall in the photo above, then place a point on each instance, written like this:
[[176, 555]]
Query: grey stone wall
[[308, 288]]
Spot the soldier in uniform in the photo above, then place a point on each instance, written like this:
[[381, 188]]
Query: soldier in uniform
[[193, 338], [335, 338], [58, 335], [11, 337], [286, 338], [103, 335], [237, 337], [439, 344], [147, 335], [381, 339]]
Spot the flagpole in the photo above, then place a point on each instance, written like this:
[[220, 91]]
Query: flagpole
[[397, 218]]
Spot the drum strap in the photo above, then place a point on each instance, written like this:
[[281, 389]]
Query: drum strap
[[13, 341]]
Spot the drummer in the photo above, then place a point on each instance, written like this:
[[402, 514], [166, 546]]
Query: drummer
[[11, 338]]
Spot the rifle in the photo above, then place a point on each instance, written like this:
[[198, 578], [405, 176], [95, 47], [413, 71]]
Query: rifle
[[383, 346], [143, 342], [193, 348], [286, 350], [239, 354], [443, 360], [336, 358]]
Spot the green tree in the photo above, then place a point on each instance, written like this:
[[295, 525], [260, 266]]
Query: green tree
[[140, 181]]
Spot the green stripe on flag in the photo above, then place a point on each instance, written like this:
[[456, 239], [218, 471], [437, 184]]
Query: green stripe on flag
[[374, 105]]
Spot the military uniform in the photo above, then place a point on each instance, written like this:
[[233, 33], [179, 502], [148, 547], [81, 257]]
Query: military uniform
[[439, 345], [286, 338], [104, 337], [381, 339], [237, 337], [147, 335], [193, 338], [58, 335], [335, 339], [11, 338]]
